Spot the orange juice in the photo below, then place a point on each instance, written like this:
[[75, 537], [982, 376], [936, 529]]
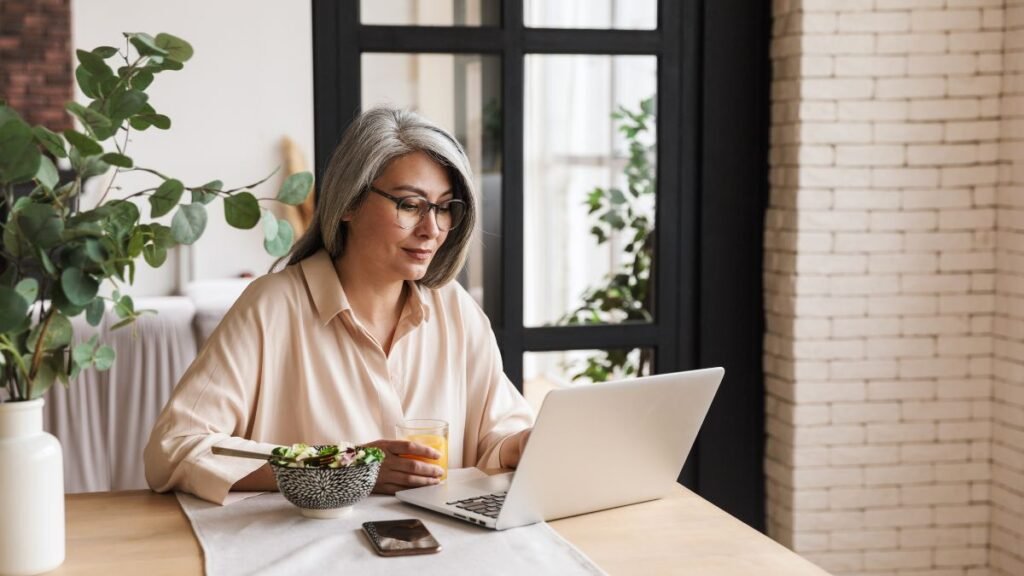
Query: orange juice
[[435, 441]]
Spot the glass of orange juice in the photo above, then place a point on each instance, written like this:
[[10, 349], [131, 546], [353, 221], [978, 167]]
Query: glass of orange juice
[[433, 433]]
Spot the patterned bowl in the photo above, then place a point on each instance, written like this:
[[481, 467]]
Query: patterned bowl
[[325, 492]]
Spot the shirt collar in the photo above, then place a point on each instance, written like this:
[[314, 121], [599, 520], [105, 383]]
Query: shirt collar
[[329, 295]]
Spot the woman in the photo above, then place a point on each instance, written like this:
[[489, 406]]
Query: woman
[[363, 328]]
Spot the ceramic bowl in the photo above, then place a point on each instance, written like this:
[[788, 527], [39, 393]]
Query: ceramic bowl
[[325, 492]]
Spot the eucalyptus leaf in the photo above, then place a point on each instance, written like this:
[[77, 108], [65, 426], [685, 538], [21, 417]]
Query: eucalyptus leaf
[[49, 368], [295, 188], [19, 157], [94, 312], [124, 307], [270, 226], [282, 242], [166, 197], [126, 104], [99, 124], [104, 357], [28, 288], [47, 176], [158, 120], [146, 45], [94, 64], [242, 210], [104, 51], [122, 217], [82, 354], [188, 223], [142, 79], [95, 251], [40, 225], [85, 144], [155, 255], [58, 333], [175, 47], [50, 141], [115, 159], [87, 82], [79, 287], [13, 308]]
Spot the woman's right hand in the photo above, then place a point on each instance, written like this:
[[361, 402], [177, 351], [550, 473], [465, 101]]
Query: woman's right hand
[[398, 473]]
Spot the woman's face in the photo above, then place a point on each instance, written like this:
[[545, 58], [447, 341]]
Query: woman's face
[[376, 243]]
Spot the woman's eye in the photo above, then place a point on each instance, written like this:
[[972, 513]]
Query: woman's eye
[[444, 208], [411, 207]]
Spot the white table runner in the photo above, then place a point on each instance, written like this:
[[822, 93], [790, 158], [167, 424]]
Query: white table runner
[[265, 535]]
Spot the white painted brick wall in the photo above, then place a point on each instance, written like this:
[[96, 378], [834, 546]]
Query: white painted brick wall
[[894, 277]]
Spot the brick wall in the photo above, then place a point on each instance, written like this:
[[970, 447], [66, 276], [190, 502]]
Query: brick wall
[[1007, 534], [881, 283], [35, 60]]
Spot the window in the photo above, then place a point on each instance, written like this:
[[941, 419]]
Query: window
[[565, 106]]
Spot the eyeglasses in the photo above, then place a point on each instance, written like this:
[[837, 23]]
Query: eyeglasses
[[412, 209]]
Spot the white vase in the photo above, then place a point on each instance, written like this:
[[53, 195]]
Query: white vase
[[31, 492]]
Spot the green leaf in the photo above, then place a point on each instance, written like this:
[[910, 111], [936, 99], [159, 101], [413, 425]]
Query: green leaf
[[40, 225], [155, 256], [270, 226], [87, 82], [242, 210], [125, 105], [162, 236], [85, 145], [104, 51], [49, 368], [188, 223], [158, 120], [125, 307], [115, 159], [166, 197], [50, 141], [99, 124], [145, 44], [122, 217], [104, 358], [136, 242], [79, 287], [47, 176], [95, 251], [94, 64], [58, 333], [28, 288], [19, 156], [141, 80], [280, 244], [295, 188], [175, 47], [13, 308], [94, 312], [90, 166]]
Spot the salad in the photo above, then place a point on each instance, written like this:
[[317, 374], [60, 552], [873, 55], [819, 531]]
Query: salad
[[329, 456]]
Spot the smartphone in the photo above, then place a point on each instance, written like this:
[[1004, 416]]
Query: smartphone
[[401, 537]]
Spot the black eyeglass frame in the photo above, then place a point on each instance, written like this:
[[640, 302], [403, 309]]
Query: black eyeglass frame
[[430, 206]]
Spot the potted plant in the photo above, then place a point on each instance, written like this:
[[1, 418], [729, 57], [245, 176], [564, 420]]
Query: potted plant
[[56, 254]]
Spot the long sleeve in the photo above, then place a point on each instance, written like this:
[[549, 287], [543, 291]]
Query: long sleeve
[[494, 406], [211, 406]]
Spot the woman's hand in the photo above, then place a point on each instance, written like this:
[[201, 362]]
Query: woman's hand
[[397, 473], [512, 449]]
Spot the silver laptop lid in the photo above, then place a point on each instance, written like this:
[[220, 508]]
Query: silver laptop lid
[[600, 446]]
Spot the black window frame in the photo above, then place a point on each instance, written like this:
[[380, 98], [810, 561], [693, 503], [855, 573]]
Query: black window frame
[[712, 104]]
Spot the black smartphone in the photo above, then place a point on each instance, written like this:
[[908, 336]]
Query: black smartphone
[[401, 537]]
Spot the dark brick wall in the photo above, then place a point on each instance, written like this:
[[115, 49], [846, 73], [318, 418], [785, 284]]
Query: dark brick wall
[[36, 60]]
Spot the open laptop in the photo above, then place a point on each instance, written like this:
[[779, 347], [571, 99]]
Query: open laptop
[[593, 447]]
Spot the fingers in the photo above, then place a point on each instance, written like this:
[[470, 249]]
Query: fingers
[[416, 467], [406, 448]]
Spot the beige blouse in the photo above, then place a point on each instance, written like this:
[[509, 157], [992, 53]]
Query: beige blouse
[[291, 363]]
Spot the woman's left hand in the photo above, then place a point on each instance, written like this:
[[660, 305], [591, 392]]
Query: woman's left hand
[[512, 449]]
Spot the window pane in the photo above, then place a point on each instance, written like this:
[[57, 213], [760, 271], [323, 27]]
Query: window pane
[[593, 14], [546, 371], [462, 94], [589, 189], [430, 12]]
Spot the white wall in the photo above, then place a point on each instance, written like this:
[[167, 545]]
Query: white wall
[[249, 84]]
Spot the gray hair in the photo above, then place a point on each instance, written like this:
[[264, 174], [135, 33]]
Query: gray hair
[[374, 139]]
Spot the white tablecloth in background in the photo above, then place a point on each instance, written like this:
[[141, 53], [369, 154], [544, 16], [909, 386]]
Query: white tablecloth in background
[[103, 419]]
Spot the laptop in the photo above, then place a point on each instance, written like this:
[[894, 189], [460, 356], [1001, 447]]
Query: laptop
[[593, 447]]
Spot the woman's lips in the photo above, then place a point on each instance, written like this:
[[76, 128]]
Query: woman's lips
[[418, 255]]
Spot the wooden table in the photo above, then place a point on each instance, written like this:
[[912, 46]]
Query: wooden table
[[141, 532]]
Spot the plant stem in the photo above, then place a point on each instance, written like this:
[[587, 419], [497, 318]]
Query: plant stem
[[37, 356]]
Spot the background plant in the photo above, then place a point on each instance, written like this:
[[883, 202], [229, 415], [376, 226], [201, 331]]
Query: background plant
[[625, 294], [55, 255]]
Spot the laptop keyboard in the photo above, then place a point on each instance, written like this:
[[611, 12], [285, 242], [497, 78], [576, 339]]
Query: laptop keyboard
[[486, 505]]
